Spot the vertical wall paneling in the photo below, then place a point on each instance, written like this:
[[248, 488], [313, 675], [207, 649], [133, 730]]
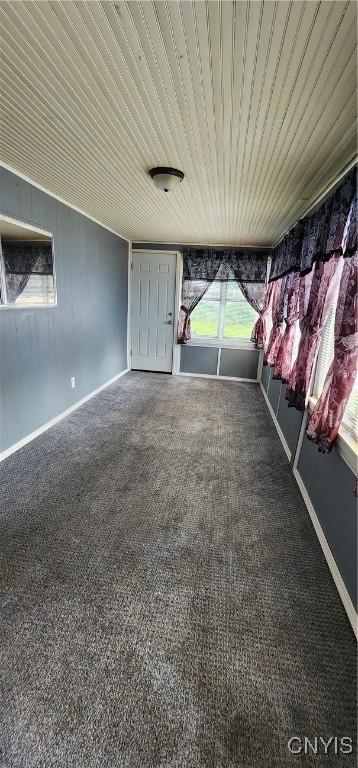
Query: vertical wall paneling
[[84, 336], [327, 484]]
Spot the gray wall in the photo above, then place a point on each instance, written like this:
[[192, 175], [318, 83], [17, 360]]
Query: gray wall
[[329, 483], [240, 363], [198, 360], [84, 336], [237, 362]]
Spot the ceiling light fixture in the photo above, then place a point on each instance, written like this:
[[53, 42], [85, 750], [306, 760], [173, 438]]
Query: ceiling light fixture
[[166, 178]]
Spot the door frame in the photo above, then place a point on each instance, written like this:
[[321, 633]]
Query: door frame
[[177, 290]]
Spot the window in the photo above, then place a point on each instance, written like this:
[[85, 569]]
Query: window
[[26, 266], [223, 313], [325, 357]]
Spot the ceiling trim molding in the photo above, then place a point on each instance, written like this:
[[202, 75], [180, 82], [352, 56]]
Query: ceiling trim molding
[[60, 199], [320, 197], [204, 245]]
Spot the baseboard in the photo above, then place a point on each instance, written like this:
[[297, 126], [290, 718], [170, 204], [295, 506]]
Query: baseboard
[[278, 428], [56, 419], [215, 376], [332, 565]]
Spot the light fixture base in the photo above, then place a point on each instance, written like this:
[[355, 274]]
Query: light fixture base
[[166, 178]]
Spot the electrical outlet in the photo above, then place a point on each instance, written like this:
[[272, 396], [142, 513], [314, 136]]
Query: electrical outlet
[[73, 382]]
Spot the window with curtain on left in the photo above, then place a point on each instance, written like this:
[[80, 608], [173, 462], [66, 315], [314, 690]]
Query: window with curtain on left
[[27, 276]]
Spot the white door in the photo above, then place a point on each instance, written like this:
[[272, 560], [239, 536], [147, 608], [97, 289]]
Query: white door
[[152, 316]]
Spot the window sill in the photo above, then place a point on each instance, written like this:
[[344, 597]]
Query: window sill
[[346, 445], [222, 343]]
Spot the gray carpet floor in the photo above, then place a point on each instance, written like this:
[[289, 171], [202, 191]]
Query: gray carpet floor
[[164, 600]]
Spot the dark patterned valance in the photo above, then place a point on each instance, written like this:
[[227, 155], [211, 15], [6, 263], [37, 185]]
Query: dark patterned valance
[[229, 264], [201, 264], [319, 235], [350, 234], [26, 258]]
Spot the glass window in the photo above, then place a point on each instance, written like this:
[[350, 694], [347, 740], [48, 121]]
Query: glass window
[[223, 313], [26, 266]]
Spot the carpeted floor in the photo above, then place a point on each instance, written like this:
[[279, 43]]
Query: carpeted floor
[[164, 600]]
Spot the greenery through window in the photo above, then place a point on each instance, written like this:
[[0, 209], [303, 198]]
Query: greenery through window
[[223, 313]]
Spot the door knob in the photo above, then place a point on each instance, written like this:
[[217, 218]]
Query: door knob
[[170, 322]]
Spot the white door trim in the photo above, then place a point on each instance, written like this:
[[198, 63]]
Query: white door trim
[[177, 290], [129, 310]]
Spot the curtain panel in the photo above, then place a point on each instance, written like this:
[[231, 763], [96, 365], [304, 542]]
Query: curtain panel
[[210, 263], [278, 322], [260, 330], [192, 292], [325, 279], [350, 232], [283, 359], [202, 266], [319, 235], [327, 415]]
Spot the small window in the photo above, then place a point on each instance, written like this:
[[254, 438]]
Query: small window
[[26, 266], [223, 313]]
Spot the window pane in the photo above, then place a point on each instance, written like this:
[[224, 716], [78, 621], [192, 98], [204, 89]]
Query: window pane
[[233, 291], [239, 320], [205, 318], [326, 352], [39, 290], [27, 269], [213, 291]]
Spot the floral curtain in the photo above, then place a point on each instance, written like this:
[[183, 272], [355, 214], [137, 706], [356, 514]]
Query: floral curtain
[[202, 266], [260, 330], [278, 323], [349, 244], [319, 235], [323, 286], [247, 266], [329, 410], [283, 359]]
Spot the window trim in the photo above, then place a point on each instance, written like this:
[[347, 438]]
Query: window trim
[[209, 341], [35, 230], [238, 342]]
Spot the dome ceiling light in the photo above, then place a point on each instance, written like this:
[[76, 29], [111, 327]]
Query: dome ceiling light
[[166, 178]]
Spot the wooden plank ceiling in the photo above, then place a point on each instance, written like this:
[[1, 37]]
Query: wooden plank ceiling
[[254, 101]]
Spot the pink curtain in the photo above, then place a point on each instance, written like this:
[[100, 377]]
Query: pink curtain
[[278, 324], [323, 287], [259, 333], [329, 410], [283, 362]]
